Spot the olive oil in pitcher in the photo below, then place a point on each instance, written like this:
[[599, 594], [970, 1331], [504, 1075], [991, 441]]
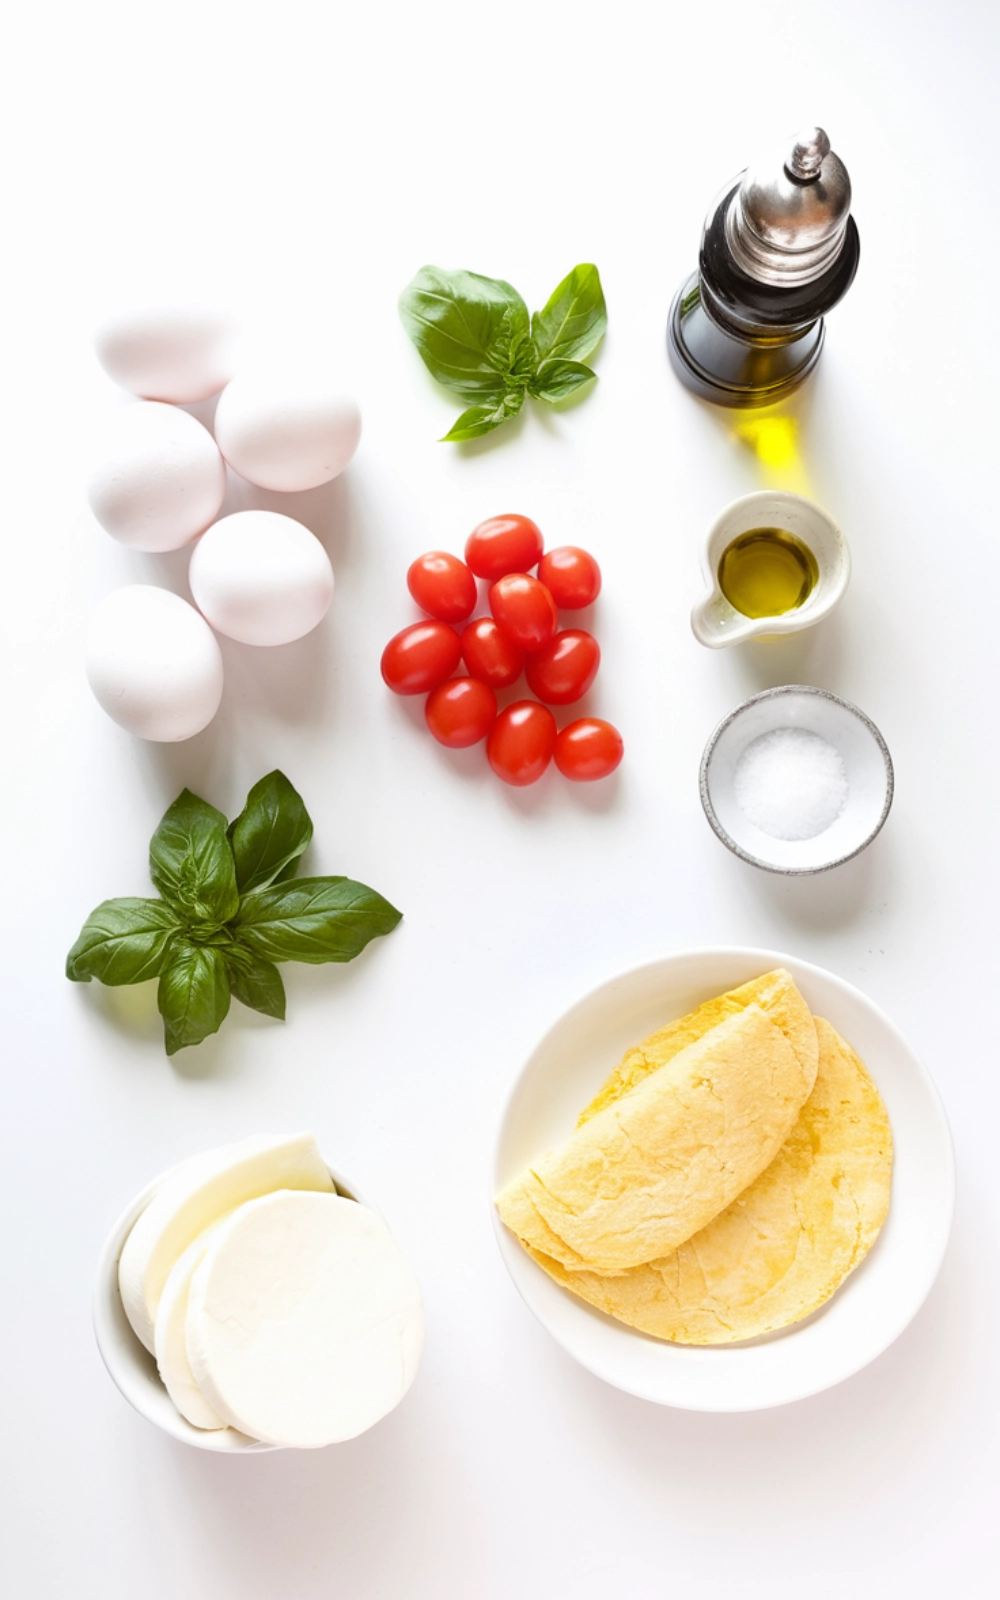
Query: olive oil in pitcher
[[767, 572]]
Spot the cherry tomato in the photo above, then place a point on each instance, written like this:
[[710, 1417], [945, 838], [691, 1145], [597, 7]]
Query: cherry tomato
[[565, 668], [442, 585], [421, 657], [572, 576], [525, 610], [521, 742], [489, 654], [588, 749], [461, 712], [503, 544]]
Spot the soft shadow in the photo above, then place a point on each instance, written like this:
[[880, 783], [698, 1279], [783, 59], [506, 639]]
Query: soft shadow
[[816, 655], [822, 901], [692, 1454], [600, 797], [130, 1009]]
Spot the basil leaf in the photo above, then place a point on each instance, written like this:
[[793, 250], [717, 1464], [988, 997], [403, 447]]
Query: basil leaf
[[313, 920], [191, 863], [270, 832], [468, 329], [523, 362], [472, 424], [257, 984], [123, 941], [555, 380], [574, 319], [193, 996]]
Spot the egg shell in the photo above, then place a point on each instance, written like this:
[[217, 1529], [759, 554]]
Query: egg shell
[[178, 353], [162, 479], [153, 663], [261, 578], [286, 433]]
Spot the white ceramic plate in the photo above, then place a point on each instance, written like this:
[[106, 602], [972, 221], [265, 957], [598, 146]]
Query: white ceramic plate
[[871, 1308], [130, 1363]]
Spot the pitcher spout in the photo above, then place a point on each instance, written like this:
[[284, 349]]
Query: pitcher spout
[[715, 623]]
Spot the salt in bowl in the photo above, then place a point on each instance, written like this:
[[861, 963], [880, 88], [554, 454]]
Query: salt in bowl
[[864, 762]]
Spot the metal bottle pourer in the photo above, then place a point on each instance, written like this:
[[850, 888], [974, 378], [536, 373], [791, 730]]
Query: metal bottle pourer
[[777, 252]]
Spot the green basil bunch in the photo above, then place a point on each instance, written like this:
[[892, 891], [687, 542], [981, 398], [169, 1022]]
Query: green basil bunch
[[476, 337], [231, 908]]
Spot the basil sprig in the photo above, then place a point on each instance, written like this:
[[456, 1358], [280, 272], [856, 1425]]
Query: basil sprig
[[231, 910], [476, 338]]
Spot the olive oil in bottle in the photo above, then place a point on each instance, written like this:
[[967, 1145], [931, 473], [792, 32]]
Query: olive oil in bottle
[[766, 572]]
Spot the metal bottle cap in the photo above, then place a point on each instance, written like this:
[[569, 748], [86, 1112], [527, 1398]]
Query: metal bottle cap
[[787, 228]]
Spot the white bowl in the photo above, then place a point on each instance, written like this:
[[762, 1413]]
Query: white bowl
[[715, 622], [130, 1363], [870, 1309], [867, 764]]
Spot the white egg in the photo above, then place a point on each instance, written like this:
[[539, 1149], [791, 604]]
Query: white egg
[[261, 578], [154, 663], [286, 432], [162, 479], [179, 353]]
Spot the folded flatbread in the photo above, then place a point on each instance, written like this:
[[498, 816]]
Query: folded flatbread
[[784, 1245], [775, 993], [688, 1130]]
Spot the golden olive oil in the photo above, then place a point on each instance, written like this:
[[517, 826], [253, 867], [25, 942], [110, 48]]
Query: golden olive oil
[[766, 572]]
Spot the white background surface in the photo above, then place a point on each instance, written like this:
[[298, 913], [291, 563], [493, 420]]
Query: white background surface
[[301, 162]]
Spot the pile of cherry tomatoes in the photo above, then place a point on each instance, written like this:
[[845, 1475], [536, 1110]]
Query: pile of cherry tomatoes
[[521, 634]]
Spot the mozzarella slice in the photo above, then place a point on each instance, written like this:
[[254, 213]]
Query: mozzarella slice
[[304, 1323], [204, 1189], [170, 1341]]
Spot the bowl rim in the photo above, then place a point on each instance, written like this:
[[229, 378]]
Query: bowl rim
[[107, 1313], [767, 959], [772, 694]]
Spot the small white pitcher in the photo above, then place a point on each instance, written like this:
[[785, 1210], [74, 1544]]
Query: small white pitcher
[[715, 622]]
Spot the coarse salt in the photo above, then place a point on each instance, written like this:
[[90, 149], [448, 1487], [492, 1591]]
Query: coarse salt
[[791, 784]]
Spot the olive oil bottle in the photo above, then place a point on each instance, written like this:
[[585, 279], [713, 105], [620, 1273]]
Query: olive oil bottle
[[766, 572]]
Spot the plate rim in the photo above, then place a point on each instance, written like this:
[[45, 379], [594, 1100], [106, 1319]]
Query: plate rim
[[804, 1389]]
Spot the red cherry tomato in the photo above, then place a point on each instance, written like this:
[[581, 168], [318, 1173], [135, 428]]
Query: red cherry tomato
[[521, 742], [421, 657], [442, 585], [588, 749], [565, 668], [503, 544], [525, 610], [572, 577], [489, 654], [461, 712]]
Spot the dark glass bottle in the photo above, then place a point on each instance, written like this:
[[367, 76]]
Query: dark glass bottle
[[778, 251]]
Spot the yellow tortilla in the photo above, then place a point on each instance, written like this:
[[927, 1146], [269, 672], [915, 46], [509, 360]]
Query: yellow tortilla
[[655, 1165], [777, 997], [782, 1248]]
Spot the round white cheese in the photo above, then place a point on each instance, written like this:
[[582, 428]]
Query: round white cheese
[[304, 1323], [170, 1340], [162, 479], [202, 1191]]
